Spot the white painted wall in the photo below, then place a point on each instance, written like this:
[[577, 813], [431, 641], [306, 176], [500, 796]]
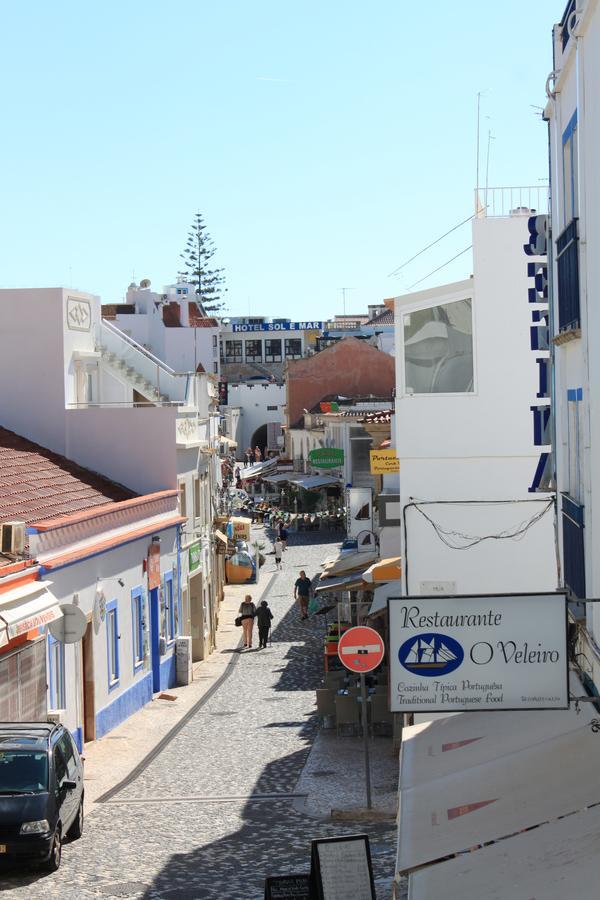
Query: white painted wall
[[577, 363], [478, 446], [124, 562], [252, 401]]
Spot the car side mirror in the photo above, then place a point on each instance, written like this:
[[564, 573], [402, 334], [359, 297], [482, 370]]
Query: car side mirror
[[68, 785]]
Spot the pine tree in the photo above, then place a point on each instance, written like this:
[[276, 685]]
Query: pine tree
[[198, 252]]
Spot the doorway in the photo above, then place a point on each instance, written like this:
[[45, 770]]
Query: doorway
[[197, 617], [87, 665]]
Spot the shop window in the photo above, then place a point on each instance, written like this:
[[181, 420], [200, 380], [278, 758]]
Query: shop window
[[137, 627], [293, 348], [273, 350], [438, 349], [233, 351], [570, 173], [112, 637], [253, 351], [575, 443], [215, 341], [56, 672]]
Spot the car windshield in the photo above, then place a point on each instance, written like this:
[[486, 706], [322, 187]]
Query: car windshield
[[23, 771]]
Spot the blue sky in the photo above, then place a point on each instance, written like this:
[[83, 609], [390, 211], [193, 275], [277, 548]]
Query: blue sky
[[324, 142]]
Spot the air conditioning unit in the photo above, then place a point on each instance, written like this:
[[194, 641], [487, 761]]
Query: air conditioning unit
[[56, 716], [12, 537]]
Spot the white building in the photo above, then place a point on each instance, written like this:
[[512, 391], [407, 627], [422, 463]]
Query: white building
[[260, 407], [93, 394], [257, 346], [466, 382], [574, 135], [169, 325]]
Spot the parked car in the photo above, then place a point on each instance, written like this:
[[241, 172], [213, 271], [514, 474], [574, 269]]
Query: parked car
[[41, 791]]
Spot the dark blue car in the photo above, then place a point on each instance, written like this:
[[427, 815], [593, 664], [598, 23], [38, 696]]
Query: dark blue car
[[41, 791]]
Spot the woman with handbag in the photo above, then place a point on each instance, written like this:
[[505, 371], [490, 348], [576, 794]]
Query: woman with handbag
[[247, 613]]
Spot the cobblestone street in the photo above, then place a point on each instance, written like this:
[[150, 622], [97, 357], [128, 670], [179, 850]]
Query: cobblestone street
[[213, 812]]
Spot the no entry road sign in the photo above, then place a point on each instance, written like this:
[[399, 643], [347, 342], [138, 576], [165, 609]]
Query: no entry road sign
[[361, 649]]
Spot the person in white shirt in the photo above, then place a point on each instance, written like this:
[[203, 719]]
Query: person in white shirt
[[278, 553]]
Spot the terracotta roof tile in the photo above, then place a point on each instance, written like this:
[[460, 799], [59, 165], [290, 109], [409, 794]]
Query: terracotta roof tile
[[38, 484]]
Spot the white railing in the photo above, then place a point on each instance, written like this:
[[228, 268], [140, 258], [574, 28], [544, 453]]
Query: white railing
[[511, 201], [128, 354]]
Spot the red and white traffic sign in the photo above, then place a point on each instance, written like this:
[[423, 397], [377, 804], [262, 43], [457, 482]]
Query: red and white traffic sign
[[361, 649]]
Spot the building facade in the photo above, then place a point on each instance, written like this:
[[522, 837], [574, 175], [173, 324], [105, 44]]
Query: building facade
[[573, 119]]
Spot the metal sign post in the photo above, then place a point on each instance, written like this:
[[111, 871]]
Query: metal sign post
[[361, 650], [365, 727]]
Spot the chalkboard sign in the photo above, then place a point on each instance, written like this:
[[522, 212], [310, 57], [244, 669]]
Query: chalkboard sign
[[341, 868], [288, 887]]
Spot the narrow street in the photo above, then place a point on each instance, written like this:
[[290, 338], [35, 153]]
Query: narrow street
[[215, 810]]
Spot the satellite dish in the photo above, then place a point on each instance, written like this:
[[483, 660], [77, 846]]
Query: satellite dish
[[145, 283], [71, 627]]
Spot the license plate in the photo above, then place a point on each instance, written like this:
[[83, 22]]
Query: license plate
[[2, 848]]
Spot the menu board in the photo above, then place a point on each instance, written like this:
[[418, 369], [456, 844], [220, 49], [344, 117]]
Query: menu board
[[288, 887], [342, 868]]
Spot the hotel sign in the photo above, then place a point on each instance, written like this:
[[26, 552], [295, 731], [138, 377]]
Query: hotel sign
[[459, 654], [278, 326]]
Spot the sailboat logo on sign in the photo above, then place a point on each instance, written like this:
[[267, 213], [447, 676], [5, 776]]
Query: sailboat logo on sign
[[431, 654]]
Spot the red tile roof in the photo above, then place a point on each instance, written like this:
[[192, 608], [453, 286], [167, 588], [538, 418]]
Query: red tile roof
[[37, 484]]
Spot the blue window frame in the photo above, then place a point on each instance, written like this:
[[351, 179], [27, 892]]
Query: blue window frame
[[170, 614], [112, 644], [575, 443], [137, 627], [56, 669]]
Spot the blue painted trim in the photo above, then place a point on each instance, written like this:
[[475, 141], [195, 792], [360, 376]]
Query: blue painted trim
[[45, 571], [78, 738], [124, 705], [168, 672], [30, 530], [179, 582], [137, 629], [574, 394], [112, 606], [567, 134], [155, 638], [60, 701], [580, 393], [570, 128]]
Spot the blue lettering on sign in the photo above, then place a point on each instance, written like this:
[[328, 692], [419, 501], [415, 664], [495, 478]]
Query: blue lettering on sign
[[431, 655], [540, 340]]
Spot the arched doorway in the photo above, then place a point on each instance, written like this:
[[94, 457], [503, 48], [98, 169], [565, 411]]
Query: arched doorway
[[259, 439]]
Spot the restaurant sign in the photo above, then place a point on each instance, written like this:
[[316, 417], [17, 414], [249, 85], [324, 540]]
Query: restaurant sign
[[488, 652], [384, 462], [194, 558], [326, 457]]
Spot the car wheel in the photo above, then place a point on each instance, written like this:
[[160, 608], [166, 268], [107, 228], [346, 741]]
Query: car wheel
[[76, 829], [53, 861]]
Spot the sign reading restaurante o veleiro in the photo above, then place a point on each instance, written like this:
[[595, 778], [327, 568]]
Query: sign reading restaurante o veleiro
[[497, 652]]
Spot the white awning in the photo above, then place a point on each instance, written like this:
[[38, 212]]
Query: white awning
[[519, 777], [348, 562], [379, 600], [259, 469], [25, 608], [310, 482], [226, 440], [555, 861], [280, 477]]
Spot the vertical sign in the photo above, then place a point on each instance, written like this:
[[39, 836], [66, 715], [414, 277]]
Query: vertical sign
[[153, 566], [359, 510]]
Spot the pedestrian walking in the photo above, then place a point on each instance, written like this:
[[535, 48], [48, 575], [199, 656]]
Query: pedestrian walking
[[278, 553], [302, 592], [283, 535], [264, 617], [248, 454], [257, 454], [247, 613]]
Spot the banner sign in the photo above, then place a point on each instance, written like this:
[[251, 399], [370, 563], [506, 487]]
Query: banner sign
[[153, 566], [194, 557], [359, 511], [326, 457], [457, 654], [278, 326], [384, 462]]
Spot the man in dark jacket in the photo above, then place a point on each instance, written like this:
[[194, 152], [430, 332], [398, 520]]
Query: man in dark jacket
[[264, 616]]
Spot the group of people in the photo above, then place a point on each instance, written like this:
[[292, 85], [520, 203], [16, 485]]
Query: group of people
[[251, 455], [248, 612]]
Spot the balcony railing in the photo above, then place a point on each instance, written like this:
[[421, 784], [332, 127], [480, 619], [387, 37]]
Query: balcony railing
[[494, 202], [573, 546], [567, 260]]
